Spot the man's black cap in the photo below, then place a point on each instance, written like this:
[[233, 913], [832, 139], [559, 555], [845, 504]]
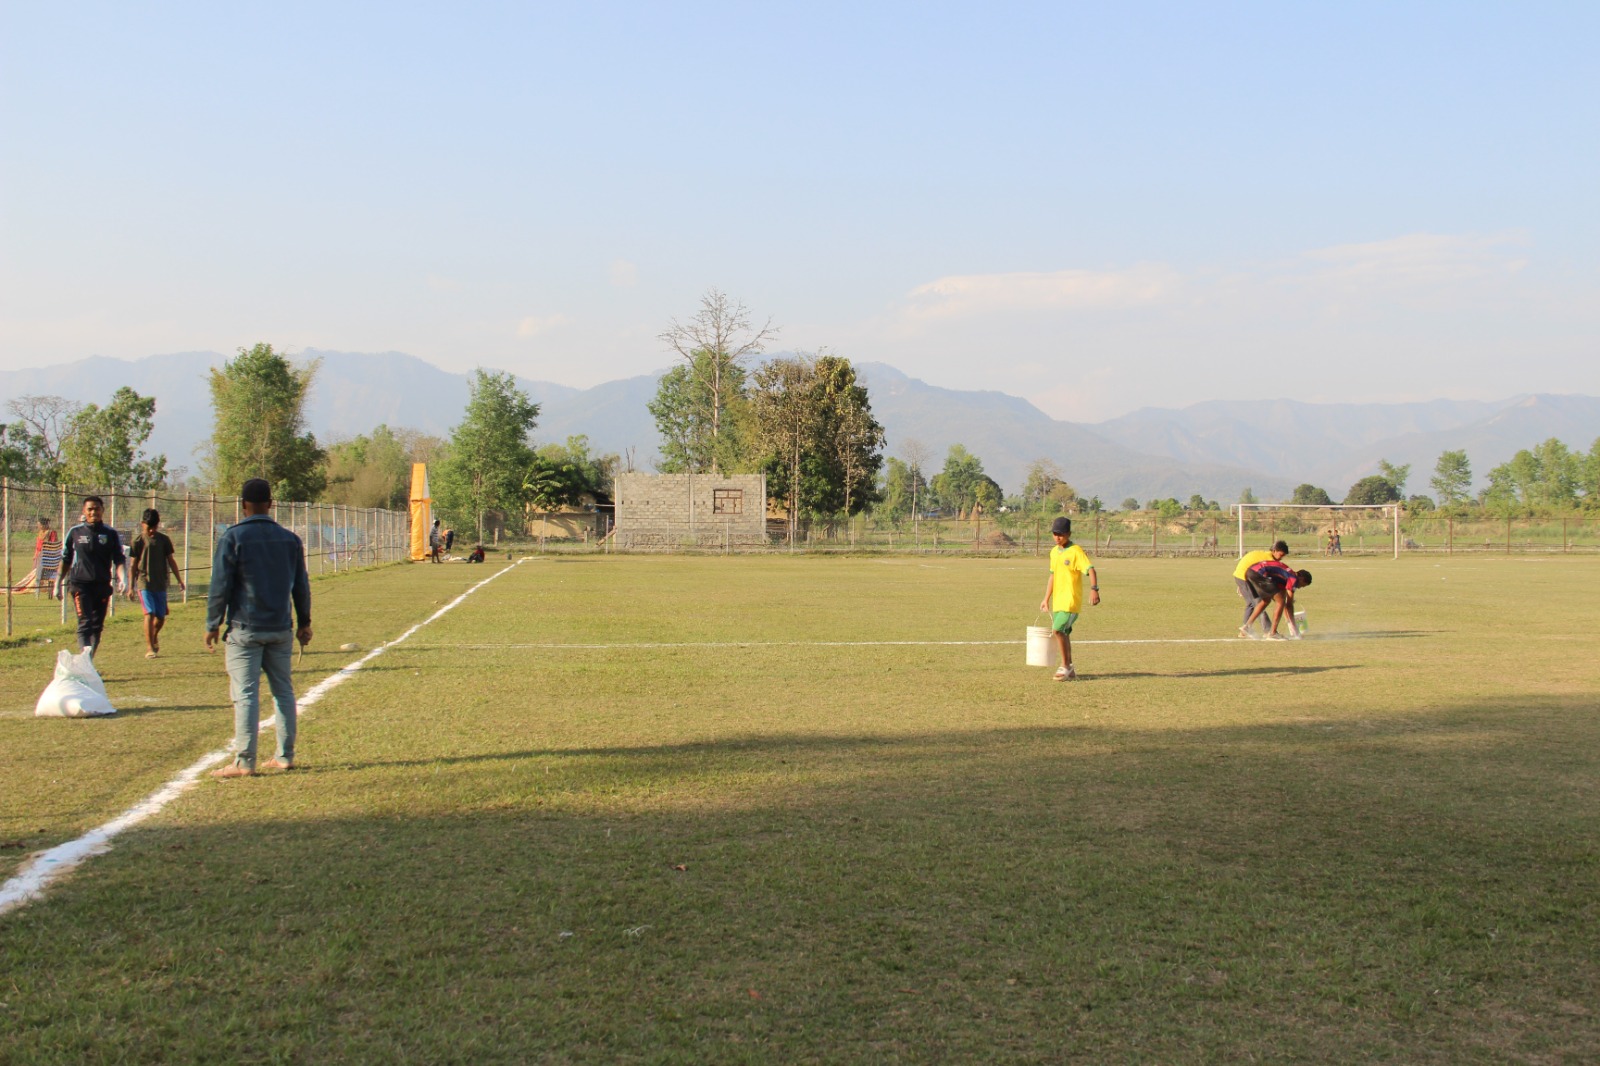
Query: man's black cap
[[1281, 546], [256, 490], [1061, 527]]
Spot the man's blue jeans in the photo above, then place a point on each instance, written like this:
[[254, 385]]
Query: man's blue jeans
[[248, 655]]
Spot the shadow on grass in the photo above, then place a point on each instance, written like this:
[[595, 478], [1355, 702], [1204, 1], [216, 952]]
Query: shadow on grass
[[1420, 888]]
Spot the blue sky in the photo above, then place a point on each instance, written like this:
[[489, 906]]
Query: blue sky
[[1097, 206]]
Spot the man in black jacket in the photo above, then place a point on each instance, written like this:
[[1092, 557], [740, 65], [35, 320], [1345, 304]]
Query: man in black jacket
[[91, 561]]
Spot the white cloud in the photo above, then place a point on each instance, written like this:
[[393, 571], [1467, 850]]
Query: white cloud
[[624, 275], [1423, 259], [974, 295], [534, 325]]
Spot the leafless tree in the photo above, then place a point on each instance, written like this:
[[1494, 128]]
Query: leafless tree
[[49, 418], [716, 338], [917, 455]]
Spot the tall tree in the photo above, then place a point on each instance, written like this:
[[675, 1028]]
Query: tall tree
[[695, 435], [962, 484], [712, 343], [1044, 475], [258, 406], [917, 456], [490, 453], [852, 439], [374, 469], [1396, 476], [784, 403], [1372, 490], [1452, 478], [105, 446], [1308, 493]]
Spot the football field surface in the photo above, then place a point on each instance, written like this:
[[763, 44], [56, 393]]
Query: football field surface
[[774, 808]]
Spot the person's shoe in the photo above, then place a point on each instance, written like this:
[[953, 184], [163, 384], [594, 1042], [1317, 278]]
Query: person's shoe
[[1276, 636], [1072, 674], [279, 764], [1248, 634], [232, 771], [1063, 674], [149, 655]]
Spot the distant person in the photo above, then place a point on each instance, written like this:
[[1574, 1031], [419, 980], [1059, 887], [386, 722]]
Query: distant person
[[92, 561], [1338, 543], [46, 554], [449, 540], [435, 542], [153, 563], [260, 589], [1276, 584], [476, 555], [1063, 592], [1240, 572]]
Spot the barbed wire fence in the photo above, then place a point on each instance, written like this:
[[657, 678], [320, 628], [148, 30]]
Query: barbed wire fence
[[336, 538]]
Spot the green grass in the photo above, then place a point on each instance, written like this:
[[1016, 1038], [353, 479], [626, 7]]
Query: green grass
[[1377, 845]]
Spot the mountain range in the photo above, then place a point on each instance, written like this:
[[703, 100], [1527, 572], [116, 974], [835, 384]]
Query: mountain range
[[1215, 448]]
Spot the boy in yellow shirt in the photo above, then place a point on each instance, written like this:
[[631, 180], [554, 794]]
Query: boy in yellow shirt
[[1246, 593], [1063, 593]]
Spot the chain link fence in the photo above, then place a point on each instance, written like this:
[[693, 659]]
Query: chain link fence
[[36, 518], [1126, 534]]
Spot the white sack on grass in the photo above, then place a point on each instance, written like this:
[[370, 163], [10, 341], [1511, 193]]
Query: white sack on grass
[[76, 692]]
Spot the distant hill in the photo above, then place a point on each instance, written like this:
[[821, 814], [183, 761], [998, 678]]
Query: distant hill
[[1215, 448], [1009, 433], [1335, 445]]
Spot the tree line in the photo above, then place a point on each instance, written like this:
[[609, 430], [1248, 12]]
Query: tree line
[[803, 420]]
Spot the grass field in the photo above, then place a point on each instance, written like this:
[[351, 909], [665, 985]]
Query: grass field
[[658, 809]]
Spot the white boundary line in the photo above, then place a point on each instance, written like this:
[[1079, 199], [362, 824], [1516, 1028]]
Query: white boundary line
[[34, 877], [832, 644]]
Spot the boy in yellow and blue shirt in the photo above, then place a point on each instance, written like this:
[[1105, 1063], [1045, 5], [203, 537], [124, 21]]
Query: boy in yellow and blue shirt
[[1063, 593]]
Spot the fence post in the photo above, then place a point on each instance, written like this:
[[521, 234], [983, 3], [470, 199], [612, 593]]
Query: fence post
[[10, 594], [1563, 535], [1508, 534], [186, 536], [112, 613], [1450, 534], [59, 574]]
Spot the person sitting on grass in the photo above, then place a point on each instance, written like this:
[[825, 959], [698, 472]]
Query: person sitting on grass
[[476, 554], [1276, 584], [1063, 592]]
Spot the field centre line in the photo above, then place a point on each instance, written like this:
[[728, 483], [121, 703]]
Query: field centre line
[[34, 877]]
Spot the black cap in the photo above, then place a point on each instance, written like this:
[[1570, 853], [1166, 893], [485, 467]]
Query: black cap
[[256, 490], [1061, 527], [1281, 546]]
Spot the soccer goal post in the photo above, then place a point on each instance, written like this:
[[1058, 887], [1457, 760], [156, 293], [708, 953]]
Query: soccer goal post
[[1389, 513]]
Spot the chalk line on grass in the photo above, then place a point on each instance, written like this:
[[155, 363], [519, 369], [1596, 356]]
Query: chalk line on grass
[[640, 645], [30, 882]]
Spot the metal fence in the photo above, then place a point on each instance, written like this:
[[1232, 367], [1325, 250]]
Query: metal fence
[[1142, 533], [335, 537]]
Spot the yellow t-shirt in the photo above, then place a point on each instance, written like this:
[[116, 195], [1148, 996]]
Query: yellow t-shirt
[[1250, 559], [1067, 566]]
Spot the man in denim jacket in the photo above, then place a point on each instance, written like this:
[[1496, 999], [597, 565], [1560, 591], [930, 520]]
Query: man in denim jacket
[[257, 572]]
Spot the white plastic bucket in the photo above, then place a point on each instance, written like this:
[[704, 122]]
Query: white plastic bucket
[[1042, 647], [1300, 621]]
